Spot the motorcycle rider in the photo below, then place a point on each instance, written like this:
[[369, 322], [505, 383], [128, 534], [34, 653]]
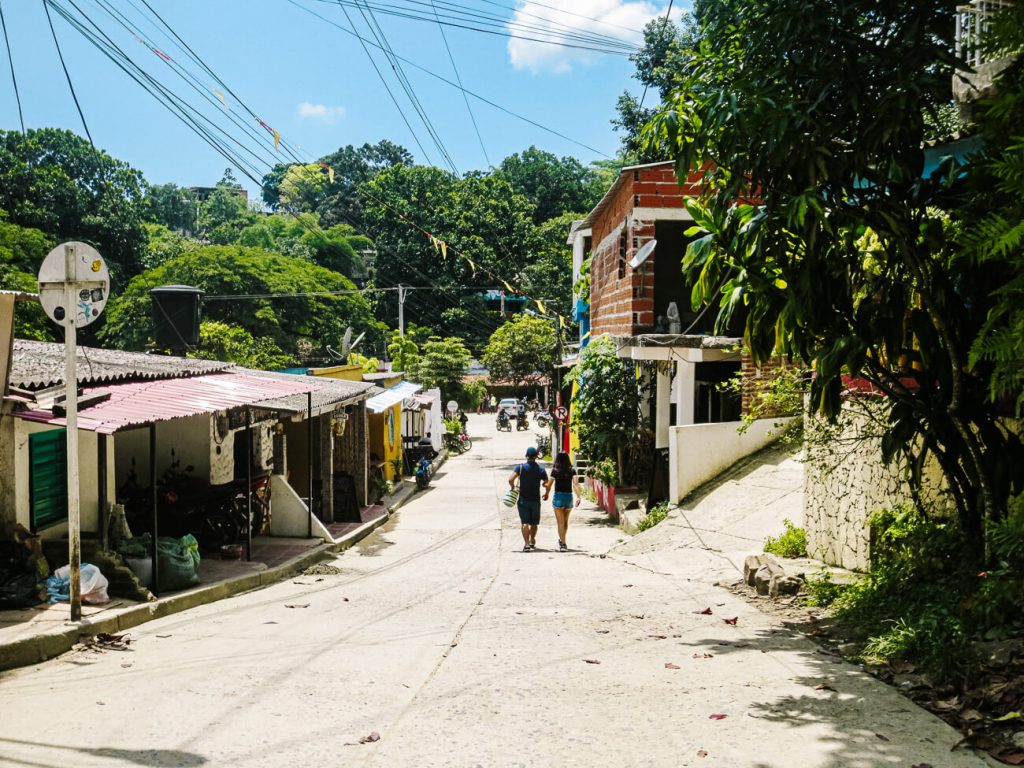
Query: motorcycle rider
[[502, 419]]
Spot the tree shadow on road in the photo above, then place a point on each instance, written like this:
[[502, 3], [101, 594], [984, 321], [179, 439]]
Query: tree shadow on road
[[867, 723], [154, 758]]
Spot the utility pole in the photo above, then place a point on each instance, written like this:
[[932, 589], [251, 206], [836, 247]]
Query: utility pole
[[403, 291]]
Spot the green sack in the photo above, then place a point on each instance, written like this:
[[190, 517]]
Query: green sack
[[178, 561]]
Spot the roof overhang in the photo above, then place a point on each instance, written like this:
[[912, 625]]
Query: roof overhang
[[691, 348], [392, 396]]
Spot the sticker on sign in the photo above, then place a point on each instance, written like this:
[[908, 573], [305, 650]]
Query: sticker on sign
[[82, 266]]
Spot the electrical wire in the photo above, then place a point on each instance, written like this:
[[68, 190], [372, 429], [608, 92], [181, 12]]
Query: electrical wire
[[10, 60], [644, 96], [71, 86], [458, 78], [442, 78]]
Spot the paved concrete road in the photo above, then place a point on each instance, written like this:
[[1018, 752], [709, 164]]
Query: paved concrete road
[[458, 649]]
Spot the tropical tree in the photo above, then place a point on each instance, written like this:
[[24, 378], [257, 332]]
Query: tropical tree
[[225, 213], [522, 351], [22, 250], [606, 408], [56, 182], [553, 185], [443, 364], [222, 341], [847, 260], [488, 234], [291, 302]]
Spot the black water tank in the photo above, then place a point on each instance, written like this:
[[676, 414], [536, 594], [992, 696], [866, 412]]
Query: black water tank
[[176, 316]]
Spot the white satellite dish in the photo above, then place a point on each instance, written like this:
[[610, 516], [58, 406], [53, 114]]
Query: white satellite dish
[[643, 254]]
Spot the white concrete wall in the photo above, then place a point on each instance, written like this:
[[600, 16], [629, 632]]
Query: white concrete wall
[[700, 452], [289, 515]]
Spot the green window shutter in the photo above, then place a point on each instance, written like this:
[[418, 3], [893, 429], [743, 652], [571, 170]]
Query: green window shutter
[[48, 478]]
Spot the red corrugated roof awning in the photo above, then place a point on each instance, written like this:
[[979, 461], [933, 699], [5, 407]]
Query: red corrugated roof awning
[[146, 402]]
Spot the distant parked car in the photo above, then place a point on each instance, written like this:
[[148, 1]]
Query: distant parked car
[[512, 407]]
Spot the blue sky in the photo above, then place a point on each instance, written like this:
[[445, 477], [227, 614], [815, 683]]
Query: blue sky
[[315, 85]]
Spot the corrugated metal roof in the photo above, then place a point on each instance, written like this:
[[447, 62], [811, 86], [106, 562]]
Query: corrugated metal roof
[[392, 396], [328, 392], [39, 364], [145, 402]]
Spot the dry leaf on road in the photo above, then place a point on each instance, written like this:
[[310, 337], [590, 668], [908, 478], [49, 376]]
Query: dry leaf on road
[[717, 717], [705, 612], [732, 621], [592, 661], [670, 665]]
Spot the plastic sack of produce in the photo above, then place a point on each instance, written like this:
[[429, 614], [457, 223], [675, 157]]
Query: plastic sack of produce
[[93, 585], [178, 561]]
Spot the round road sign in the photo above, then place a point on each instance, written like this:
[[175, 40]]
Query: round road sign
[[561, 413], [452, 406], [90, 280]]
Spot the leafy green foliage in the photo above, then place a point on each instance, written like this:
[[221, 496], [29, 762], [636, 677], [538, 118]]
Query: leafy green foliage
[[605, 471], [996, 239], [22, 250], [298, 324], [921, 600], [220, 341], [847, 261], [443, 364], [554, 186], [54, 181], [792, 542], [481, 216], [607, 406], [654, 515], [522, 351]]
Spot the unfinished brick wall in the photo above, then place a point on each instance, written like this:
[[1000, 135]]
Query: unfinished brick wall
[[621, 301]]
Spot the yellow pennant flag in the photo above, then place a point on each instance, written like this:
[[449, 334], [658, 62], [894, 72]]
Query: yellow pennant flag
[[444, 249], [509, 287], [540, 306], [471, 264], [561, 322], [277, 139], [330, 175], [219, 95], [435, 242]]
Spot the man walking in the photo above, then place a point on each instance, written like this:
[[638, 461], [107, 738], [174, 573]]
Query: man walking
[[530, 476]]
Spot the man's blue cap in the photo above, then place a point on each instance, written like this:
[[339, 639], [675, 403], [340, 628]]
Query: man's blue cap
[[531, 452]]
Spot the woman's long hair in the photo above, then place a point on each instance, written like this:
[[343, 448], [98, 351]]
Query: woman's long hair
[[561, 467]]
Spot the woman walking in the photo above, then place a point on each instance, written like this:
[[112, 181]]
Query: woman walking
[[563, 477]]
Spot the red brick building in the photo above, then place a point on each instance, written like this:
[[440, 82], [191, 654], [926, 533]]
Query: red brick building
[[646, 307]]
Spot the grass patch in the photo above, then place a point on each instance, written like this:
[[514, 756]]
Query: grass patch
[[792, 542], [654, 515]]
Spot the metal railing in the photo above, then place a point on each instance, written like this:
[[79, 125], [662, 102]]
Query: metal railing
[[972, 23]]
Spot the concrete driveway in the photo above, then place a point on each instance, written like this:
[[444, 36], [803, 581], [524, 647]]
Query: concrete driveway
[[440, 636]]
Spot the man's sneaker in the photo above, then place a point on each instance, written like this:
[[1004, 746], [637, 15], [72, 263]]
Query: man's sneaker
[[562, 547], [527, 547]]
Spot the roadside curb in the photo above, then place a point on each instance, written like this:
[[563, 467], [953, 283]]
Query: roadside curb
[[48, 644]]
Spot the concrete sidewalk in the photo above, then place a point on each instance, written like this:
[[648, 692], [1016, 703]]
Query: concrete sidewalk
[[31, 635]]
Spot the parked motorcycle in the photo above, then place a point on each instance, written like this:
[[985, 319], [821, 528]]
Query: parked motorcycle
[[423, 472], [543, 418]]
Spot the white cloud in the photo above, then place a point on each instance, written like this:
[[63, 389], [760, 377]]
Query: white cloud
[[321, 112], [623, 19]]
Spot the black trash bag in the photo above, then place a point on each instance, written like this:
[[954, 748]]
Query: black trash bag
[[18, 590]]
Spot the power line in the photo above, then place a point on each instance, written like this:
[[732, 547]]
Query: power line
[[644, 96], [10, 60], [445, 80], [465, 98], [46, 6]]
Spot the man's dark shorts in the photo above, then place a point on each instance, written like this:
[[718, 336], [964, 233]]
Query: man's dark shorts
[[529, 511]]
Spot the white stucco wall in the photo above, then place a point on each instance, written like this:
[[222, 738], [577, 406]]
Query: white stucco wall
[[845, 482], [700, 452], [290, 516]]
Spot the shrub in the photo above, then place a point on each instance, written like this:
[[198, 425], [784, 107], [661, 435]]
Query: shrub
[[606, 472], [822, 591], [792, 542], [654, 516]]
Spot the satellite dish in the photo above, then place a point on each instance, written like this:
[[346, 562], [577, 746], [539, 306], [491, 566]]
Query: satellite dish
[[643, 254]]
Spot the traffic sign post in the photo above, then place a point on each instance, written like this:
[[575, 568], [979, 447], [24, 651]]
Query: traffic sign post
[[73, 288]]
